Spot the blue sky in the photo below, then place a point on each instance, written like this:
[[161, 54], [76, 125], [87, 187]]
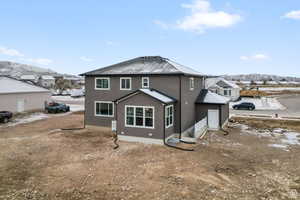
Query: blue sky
[[212, 36]]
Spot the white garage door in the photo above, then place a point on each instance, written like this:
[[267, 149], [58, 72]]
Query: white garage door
[[213, 119]]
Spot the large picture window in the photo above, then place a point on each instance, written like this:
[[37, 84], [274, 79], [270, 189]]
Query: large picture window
[[169, 116], [125, 83], [139, 116], [104, 109], [102, 83]]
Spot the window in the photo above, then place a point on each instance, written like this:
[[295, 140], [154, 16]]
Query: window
[[102, 84], [125, 83], [139, 116], [104, 109], [145, 82], [192, 84], [169, 116], [227, 92]]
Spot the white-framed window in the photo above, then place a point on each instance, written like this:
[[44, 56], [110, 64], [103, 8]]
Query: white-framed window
[[169, 116], [102, 83], [227, 92], [192, 84], [139, 116], [125, 83], [104, 108], [145, 82]]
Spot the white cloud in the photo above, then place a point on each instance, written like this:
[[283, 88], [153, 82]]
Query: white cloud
[[86, 59], [293, 15], [203, 17], [40, 61], [255, 57], [10, 52]]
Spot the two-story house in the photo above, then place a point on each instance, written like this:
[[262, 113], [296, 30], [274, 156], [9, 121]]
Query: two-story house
[[151, 99]]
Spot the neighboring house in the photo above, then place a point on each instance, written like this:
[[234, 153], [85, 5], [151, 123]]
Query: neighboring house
[[151, 99], [47, 81], [19, 96], [31, 78], [223, 87]]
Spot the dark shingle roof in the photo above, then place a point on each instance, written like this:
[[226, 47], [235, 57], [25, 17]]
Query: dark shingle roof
[[144, 66]]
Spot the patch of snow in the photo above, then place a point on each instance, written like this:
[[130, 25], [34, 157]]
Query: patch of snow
[[67, 98], [280, 88], [211, 97], [291, 138], [265, 103], [281, 146], [157, 95], [28, 119], [75, 108]]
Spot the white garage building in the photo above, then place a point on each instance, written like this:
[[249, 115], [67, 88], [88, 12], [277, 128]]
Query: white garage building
[[18, 96]]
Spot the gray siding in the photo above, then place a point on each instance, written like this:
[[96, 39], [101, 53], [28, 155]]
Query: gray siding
[[168, 84], [202, 110], [142, 100], [188, 98], [224, 113]]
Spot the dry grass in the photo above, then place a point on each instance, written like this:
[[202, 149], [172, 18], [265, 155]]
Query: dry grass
[[82, 164]]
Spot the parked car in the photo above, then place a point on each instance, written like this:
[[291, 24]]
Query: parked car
[[54, 107], [5, 116], [244, 106]]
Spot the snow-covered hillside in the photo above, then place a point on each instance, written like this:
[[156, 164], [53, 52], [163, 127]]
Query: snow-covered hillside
[[16, 69]]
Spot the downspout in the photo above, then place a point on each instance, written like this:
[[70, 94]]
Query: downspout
[[164, 133], [180, 107]]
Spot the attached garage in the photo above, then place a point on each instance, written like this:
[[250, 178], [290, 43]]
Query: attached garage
[[214, 107], [18, 96]]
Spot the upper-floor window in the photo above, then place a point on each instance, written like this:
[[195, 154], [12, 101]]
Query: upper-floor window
[[104, 109], [102, 83], [125, 83], [192, 84], [169, 116], [145, 82]]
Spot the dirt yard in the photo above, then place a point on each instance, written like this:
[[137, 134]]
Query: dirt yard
[[38, 161]]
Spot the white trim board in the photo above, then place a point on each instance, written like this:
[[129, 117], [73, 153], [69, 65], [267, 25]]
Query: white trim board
[[140, 139]]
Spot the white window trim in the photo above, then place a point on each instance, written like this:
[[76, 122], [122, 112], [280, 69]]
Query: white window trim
[[134, 118], [99, 115], [166, 109], [107, 78], [125, 78], [192, 80], [148, 81]]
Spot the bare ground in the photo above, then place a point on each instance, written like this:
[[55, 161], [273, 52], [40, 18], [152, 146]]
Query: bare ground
[[39, 162]]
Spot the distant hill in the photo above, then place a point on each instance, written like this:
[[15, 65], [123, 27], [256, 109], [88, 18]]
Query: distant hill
[[260, 77], [16, 70]]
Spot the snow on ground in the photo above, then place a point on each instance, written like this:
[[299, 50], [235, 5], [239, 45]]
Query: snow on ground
[[75, 107], [279, 88], [27, 119], [264, 103], [281, 138], [67, 98]]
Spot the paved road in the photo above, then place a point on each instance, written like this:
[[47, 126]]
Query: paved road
[[292, 104]]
